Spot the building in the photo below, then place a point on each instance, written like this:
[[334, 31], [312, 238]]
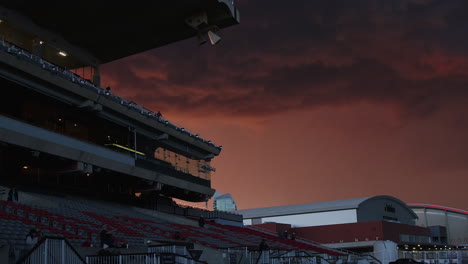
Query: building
[[358, 223], [366, 209], [448, 225], [59, 129], [224, 202]]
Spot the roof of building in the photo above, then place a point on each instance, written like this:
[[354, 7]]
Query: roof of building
[[437, 207], [224, 196], [345, 204], [113, 30]]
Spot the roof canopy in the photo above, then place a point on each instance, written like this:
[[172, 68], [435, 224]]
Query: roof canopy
[[110, 30]]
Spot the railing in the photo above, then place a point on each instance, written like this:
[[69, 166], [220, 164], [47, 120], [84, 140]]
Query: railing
[[143, 258], [437, 256], [259, 257], [176, 249], [52, 250], [74, 78]]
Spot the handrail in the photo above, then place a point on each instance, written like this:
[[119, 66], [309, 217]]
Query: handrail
[[44, 241]]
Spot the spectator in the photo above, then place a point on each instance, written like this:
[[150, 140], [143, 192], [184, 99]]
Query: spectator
[[178, 236], [13, 195], [201, 221], [107, 240], [32, 238], [293, 236], [158, 115], [263, 245]]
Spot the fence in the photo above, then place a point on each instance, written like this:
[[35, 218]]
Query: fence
[[437, 256], [52, 250]]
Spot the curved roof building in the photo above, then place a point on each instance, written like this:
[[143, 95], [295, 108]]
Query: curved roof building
[[454, 223], [365, 209]]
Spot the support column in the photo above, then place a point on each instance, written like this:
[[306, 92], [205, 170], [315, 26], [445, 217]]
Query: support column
[[97, 76]]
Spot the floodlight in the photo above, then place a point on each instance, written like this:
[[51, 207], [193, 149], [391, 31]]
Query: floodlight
[[214, 38]]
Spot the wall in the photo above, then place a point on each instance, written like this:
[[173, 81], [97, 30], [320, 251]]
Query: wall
[[312, 219], [353, 232]]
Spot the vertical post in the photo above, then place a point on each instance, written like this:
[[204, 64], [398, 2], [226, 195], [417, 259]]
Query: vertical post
[[135, 142], [63, 251], [46, 249]]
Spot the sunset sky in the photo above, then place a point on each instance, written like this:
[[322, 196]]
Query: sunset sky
[[321, 100]]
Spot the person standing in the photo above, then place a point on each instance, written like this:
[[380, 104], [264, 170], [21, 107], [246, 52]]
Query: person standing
[[201, 221], [263, 245], [13, 195], [107, 240], [293, 236], [32, 238]]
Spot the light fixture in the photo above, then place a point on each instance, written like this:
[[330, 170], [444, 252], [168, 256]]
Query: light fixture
[[41, 42], [214, 38], [25, 167], [62, 53]]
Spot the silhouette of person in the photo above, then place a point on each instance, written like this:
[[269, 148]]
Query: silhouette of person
[[201, 221], [263, 245], [13, 195], [293, 236], [158, 115], [32, 238], [107, 240]]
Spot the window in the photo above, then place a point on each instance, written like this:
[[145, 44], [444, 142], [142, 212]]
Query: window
[[389, 208]]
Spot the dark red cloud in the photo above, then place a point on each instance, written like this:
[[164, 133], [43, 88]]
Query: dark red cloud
[[399, 69], [297, 56]]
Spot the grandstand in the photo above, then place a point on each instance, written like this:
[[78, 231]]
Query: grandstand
[[81, 156]]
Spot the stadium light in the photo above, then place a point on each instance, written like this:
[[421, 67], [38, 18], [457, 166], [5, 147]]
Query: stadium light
[[214, 38], [63, 53]]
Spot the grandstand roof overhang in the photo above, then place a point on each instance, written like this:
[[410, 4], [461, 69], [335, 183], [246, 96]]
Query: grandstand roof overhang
[[117, 29]]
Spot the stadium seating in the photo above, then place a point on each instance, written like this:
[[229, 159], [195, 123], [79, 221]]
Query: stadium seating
[[81, 221]]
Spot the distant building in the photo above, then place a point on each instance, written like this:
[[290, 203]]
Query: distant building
[[448, 225], [224, 202], [359, 223]]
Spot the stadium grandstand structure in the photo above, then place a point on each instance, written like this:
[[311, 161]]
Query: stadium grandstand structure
[[61, 129]]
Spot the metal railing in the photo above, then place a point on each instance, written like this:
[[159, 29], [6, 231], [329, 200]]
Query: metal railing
[[143, 258], [52, 250], [175, 249], [436, 256]]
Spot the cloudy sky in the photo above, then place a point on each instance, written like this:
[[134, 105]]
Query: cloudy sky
[[322, 100]]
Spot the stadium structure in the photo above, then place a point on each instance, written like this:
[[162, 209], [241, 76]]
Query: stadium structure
[[424, 232], [75, 157]]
